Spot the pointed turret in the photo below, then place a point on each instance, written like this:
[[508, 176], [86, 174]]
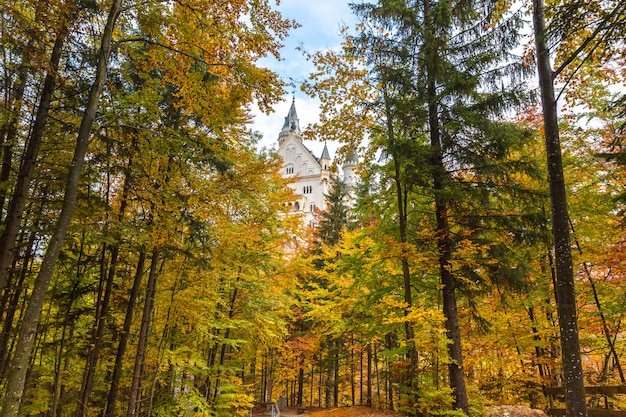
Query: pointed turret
[[325, 158], [292, 124]]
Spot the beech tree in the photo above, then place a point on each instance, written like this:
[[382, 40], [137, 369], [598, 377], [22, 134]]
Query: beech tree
[[585, 40]]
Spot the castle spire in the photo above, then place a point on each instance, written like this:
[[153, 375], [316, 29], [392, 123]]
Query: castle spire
[[325, 153], [292, 124]]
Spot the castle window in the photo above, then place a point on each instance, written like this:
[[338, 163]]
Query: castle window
[[289, 170], [297, 206], [312, 207], [307, 189]]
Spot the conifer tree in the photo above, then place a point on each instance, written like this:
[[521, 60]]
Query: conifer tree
[[335, 219], [442, 76]]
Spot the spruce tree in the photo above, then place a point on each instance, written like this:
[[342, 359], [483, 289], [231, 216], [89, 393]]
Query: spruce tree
[[439, 83], [334, 220]]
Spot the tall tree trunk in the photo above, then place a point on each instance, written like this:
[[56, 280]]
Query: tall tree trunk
[[29, 161], [18, 290], [368, 398], [444, 245], [336, 374], [300, 381], [8, 131], [329, 376], [361, 377], [142, 343], [121, 347], [97, 336], [222, 358], [401, 198], [573, 381], [19, 368], [352, 372], [444, 242], [56, 386]]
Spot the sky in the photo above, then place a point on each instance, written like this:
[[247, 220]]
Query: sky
[[320, 22]]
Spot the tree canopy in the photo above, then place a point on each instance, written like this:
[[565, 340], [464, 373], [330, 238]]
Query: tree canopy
[[149, 263]]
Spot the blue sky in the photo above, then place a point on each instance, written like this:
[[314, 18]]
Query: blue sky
[[320, 22]]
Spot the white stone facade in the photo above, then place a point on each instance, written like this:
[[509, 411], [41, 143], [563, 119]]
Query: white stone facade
[[312, 178]]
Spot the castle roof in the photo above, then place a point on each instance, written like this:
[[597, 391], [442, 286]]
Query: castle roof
[[292, 124], [325, 153]]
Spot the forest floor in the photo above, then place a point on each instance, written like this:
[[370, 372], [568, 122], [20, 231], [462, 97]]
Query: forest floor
[[495, 411]]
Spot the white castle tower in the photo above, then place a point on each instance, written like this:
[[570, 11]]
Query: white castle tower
[[312, 178]]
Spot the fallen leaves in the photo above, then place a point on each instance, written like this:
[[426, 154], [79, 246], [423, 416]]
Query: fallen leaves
[[354, 412]]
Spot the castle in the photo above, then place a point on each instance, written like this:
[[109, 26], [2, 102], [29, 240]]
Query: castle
[[311, 176]]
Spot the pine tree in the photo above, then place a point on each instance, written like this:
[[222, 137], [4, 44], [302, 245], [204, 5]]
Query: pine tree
[[335, 219]]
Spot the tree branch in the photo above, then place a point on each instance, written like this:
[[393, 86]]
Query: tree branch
[[171, 48], [589, 39]]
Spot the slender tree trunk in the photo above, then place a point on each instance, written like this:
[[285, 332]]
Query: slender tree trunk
[[17, 375], [312, 384], [336, 374], [27, 167], [329, 375], [320, 381], [97, 335], [18, 290], [300, 381], [573, 381], [8, 132], [444, 244], [377, 372], [352, 372], [121, 348], [605, 326], [56, 388], [401, 198], [142, 343], [368, 398], [231, 313], [361, 377]]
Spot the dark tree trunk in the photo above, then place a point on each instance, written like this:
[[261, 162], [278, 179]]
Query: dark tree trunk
[[300, 381], [8, 132], [444, 242], [27, 167], [121, 348], [368, 399], [568, 323], [336, 374], [222, 358], [97, 334], [142, 343], [56, 388], [444, 245], [14, 301], [401, 198], [329, 376]]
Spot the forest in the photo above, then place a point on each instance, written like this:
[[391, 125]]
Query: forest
[[149, 265]]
